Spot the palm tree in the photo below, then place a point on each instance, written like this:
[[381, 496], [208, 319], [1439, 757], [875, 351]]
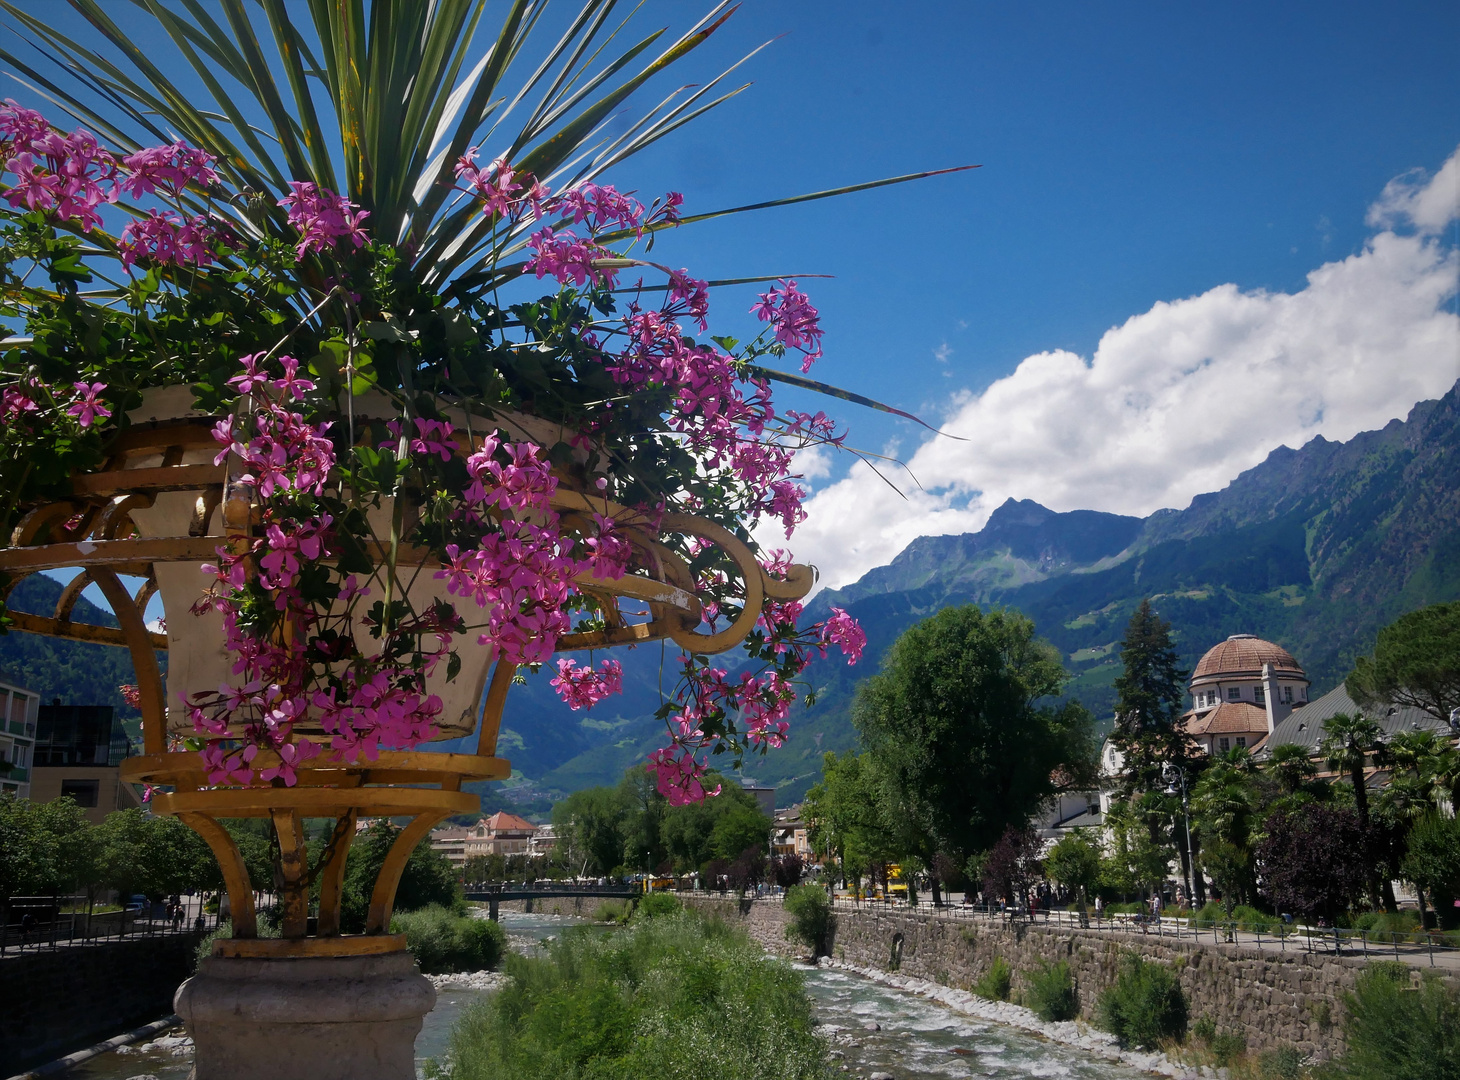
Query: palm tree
[[1347, 742], [1292, 766]]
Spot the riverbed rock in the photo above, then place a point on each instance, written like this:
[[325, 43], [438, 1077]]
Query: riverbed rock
[[881, 1076], [872, 1025]]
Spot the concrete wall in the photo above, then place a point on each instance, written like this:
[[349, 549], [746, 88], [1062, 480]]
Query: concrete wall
[[1277, 999], [64, 999]]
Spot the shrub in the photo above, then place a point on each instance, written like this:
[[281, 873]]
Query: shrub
[[444, 942], [1284, 1063], [613, 911], [1250, 919], [1394, 1029], [1210, 915], [1052, 992], [996, 981], [1400, 926], [672, 997], [811, 917], [1146, 1004], [1227, 1046], [658, 903]]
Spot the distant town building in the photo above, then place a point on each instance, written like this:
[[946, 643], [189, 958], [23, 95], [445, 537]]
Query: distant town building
[[765, 797], [544, 839], [1240, 691], [1305, 727], [18, 708], [451, 842], [78, 753], [790, 835]]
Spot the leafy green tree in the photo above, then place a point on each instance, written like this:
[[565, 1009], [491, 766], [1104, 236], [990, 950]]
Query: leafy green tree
[[847, 815], [1416, 662], [953, 724], [1151, 689], [645, 819], [1347, 742], [1074, 862], [428, 878], [811, 917], [591, 826], [1226, 807], [1432, 863], [45, 848], [693, 835]]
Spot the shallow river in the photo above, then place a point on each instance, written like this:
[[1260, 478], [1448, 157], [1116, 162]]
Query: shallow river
[[917, 1039]]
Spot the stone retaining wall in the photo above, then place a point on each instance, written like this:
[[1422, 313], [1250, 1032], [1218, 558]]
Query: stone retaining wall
[[1276, 999], [61, 1000]]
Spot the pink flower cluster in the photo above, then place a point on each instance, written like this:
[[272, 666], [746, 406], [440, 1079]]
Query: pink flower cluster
[[679, 775], [497, 187], [582, 687], [169, 169], [322, 218], [72, 177], [796, 323], [166, 238], [68, 175], [362, 703]]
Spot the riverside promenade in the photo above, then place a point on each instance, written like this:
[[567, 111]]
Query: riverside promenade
[[1432, 949]]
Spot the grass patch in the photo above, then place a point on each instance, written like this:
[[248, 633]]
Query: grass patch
[[674, 997]]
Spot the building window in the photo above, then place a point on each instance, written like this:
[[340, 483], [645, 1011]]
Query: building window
[[1287, 695], [1259, 695], [1242, 741], [1225, 743], [1234, 693], [85, 792]]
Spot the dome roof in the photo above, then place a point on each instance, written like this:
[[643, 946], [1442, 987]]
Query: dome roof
[[1242, 656]]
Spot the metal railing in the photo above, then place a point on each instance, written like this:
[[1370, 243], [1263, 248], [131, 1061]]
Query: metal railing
[[1414, 946], [30, 923]]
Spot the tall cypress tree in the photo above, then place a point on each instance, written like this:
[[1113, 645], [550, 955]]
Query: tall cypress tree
[[1151, 691]]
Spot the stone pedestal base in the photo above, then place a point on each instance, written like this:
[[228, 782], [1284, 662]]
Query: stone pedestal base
[[317, 1018]]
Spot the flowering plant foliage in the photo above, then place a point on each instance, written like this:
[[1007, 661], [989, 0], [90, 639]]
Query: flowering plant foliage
[[282, 327]]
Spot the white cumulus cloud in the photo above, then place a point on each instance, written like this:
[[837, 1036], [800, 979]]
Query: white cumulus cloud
[[1181, 398]]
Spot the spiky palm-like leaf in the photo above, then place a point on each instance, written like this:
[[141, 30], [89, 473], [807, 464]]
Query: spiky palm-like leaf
[[378, 101]]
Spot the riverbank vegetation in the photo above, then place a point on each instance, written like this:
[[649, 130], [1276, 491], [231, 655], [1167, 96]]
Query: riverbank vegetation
[[444, 941], [675, 997]]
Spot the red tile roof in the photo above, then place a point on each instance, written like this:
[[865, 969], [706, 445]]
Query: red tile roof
[[1228, 718], [502, 821]]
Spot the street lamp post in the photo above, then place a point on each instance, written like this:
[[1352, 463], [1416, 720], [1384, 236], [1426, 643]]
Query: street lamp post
[[1172, 774]]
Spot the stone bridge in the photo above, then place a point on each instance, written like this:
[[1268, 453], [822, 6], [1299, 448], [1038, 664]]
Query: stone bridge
[[494, 894]]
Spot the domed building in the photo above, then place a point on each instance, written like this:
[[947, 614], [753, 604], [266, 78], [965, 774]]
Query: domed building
[[1240, 691]]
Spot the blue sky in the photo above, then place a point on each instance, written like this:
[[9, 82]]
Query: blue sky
[[1134, 159], [1132, 155]]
